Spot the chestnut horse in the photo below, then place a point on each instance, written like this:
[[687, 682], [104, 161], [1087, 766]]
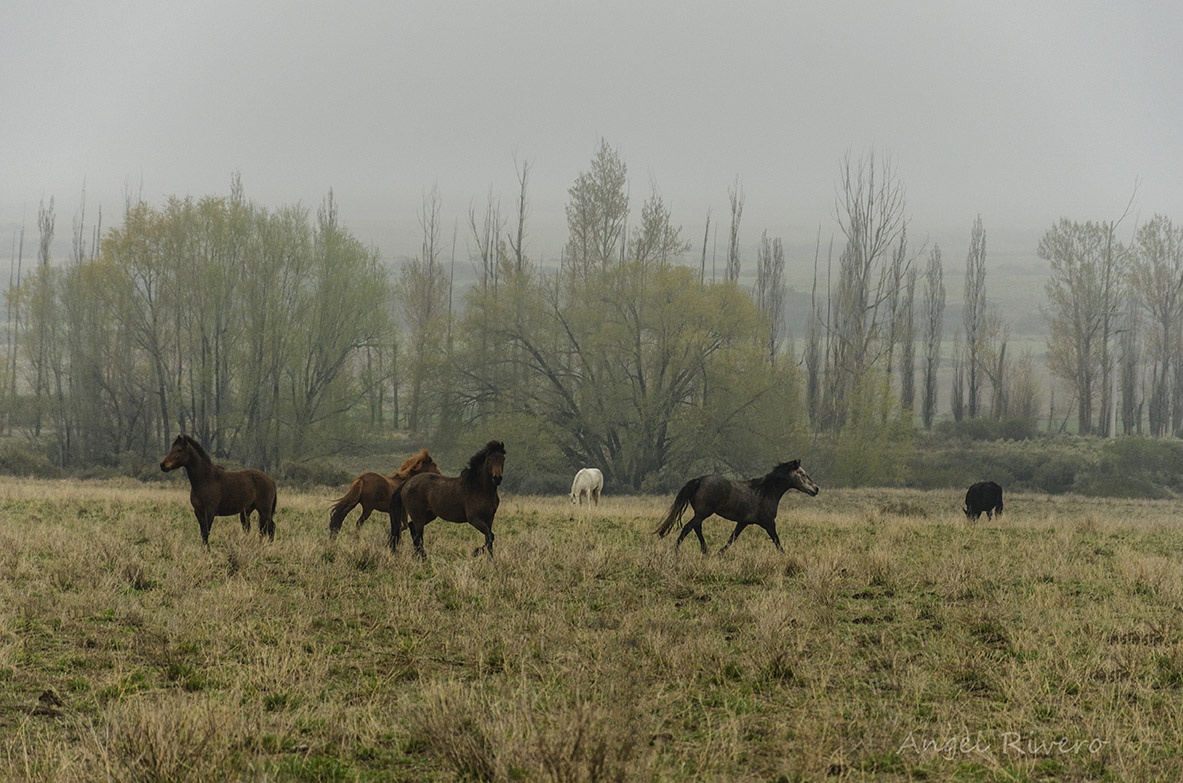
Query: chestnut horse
[[373, 491], [217, 492], [470, 497], [751, 502]]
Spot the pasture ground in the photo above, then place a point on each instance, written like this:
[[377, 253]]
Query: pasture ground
[[891, 642]]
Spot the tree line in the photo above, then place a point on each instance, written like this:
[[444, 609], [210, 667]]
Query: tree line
[[274, 335]]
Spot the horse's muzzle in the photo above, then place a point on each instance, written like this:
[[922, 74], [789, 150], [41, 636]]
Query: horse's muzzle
[[497, 481]]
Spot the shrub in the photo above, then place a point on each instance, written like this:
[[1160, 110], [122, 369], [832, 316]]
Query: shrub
[[315, 472], [20, 458]]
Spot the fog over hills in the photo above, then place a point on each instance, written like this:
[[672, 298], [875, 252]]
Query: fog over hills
[[1021, 113]]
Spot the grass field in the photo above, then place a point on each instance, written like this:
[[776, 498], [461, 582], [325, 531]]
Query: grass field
[[891, 642]]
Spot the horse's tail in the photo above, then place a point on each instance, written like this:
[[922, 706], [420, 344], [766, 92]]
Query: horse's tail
[[678, 506], [343, 506], [398, 516]]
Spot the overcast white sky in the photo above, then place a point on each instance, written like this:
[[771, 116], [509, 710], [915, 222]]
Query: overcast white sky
[[1022, 111]]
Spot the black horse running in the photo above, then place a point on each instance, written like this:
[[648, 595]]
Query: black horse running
[[750, 502]]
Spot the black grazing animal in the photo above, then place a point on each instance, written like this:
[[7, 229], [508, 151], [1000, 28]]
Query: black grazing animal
[[751, 502], [985, 496]]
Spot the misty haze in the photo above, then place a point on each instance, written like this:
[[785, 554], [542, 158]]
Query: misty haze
[[593, 286]]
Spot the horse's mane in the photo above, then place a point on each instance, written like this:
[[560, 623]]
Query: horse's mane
[[414, 461], [197, 447], [470, 475], [780, 471]]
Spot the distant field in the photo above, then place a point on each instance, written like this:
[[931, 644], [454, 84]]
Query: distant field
[[891, 642]]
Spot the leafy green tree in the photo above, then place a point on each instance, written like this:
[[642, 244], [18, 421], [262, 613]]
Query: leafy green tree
[[214, 317], [597, 212], [657, 239], [640, 370], [341, 306]]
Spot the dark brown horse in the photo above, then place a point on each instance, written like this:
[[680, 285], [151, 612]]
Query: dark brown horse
[[217, 492], [751, 502], [373, 491], [470, 497]]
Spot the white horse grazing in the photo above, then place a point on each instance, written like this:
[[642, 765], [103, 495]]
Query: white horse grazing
[[589, 482]]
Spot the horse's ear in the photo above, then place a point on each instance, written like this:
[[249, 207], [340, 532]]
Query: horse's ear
[[794, 464]]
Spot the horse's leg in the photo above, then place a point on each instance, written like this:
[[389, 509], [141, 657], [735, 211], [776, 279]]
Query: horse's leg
[[245, 518], [205, 523], [487, 529], [365, 514], [739, 526], [770, 529], [337, 519], [417, 537], [694, 524], [702, 542], [395, 532]]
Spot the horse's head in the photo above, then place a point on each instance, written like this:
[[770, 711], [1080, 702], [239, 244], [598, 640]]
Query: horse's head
[[495, 460], [798, 478], [178, 456]]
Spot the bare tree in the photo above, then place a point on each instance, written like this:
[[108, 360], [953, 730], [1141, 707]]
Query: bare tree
[[41, 312], [422, 290], [1080, 302], [706, 233], [486, 233], [1024, 396], [870, 211], [517, 242], [814, 352], [908, 342], [932, 327], [994, 365], [1157, 280], [736, 198], [897, 276], [957, 393], [13, 314], [973, 315], [1130, 362], [770, 291]]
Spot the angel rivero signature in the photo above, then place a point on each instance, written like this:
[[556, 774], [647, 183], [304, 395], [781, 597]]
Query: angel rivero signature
[[1008, 743]]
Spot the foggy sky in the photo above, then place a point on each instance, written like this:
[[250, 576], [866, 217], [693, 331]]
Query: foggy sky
[[1022, 112]]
